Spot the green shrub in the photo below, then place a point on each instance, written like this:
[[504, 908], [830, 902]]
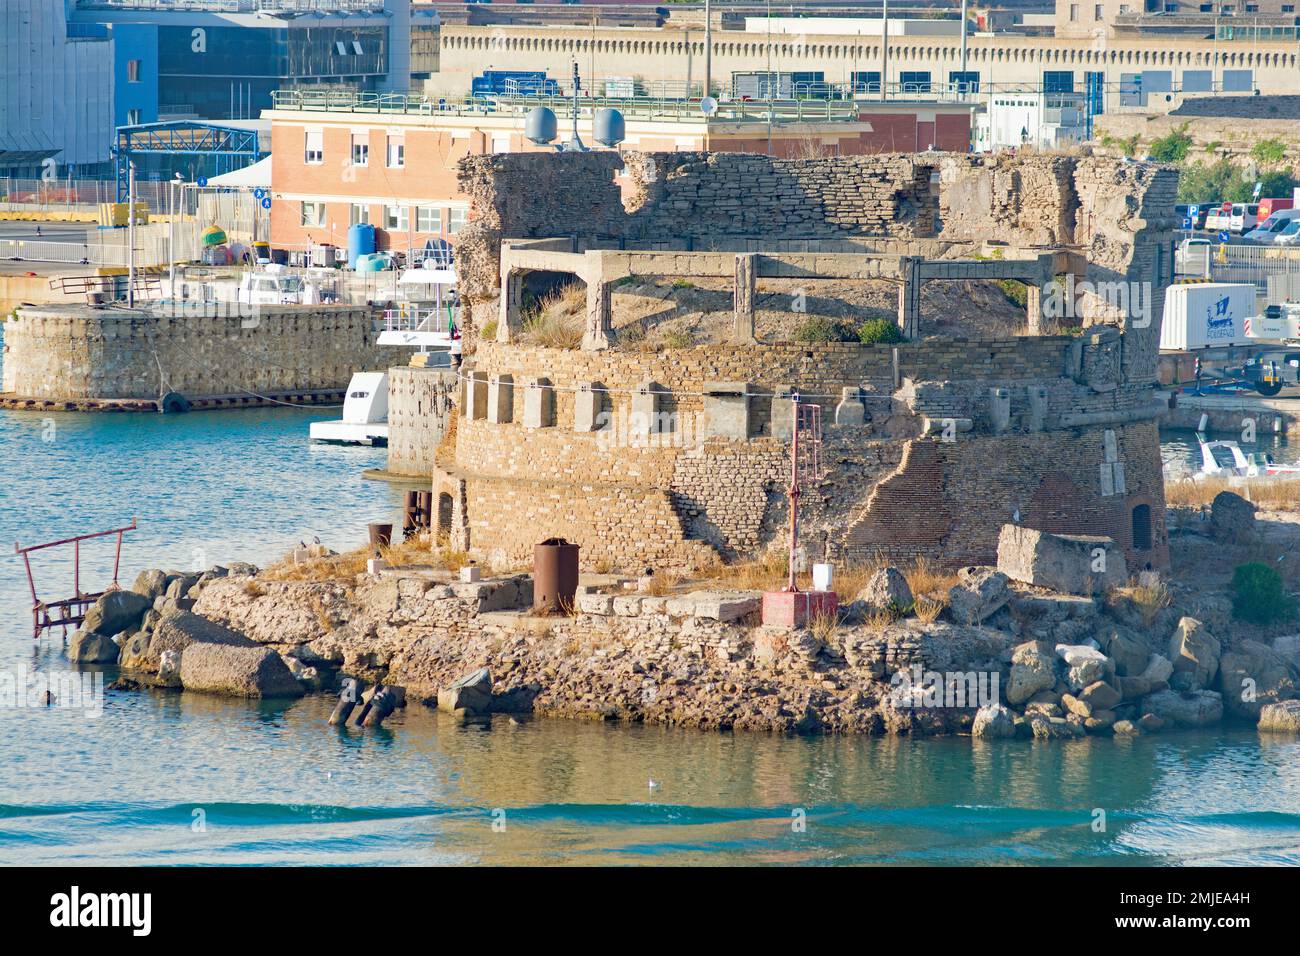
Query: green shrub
[[880, 332], [819, 329], [1014, 290], [678, 339], [489, 330], [1258, 595], [1172, 148], [1269, 152]]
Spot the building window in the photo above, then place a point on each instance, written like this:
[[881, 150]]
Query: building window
[[456, 219], [427, 219], [1058, 81], [1288, 8], [313, 214], [1096, 11], [1074, 13], [396, 152], [968, 82], [132, 117], [915, 81], [360, 150], [397, 218], [360, 214], [133, 71], [1142, 528], [313, 153], [1207, 8]]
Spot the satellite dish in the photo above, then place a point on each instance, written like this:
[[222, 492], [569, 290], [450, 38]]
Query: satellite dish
[[708, 105]]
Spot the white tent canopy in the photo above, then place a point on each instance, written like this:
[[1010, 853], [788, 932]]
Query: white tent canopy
[[250, 177]]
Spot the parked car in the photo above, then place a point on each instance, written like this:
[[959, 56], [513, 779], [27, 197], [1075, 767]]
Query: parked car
[[1219, 217], [1243, 217], [1290, 236], [1270, 228]]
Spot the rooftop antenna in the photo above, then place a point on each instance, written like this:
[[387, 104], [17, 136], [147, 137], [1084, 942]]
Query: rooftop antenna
[[575, 145]]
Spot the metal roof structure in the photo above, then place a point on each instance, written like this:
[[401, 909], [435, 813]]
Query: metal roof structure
[[232, 145]]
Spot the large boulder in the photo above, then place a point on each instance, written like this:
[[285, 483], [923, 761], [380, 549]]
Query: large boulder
[[1288, 645], [1282, 717], [1128, 649], [89, 647], [1085, 665], [176, 633], [115, 612], [1100, 696], [1194, 652], [472, 693], [1073, 563], [1199, 708], [981, 592], [1251, 675], [252, 671], [1232, 518], [150, 584], [1032, 670], [887, 589], [993, 720]]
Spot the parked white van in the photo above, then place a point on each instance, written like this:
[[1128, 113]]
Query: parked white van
[[1272, 227], [1243, 218]]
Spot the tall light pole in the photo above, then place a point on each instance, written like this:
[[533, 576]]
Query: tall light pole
[[175, 210], [884, 50], [963, 43], [130, 233], [708, 50]]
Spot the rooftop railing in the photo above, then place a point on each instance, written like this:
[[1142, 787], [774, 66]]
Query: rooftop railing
[[238, 6]]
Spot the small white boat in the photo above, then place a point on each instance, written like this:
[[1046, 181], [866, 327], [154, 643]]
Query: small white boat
[[365, 413], [1225, 459]]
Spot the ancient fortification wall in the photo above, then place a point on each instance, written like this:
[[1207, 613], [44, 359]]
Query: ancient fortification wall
[[74, 353], [680, 456], [420, 406]]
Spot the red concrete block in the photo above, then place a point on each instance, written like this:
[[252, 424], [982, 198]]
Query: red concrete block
[[794, 608]]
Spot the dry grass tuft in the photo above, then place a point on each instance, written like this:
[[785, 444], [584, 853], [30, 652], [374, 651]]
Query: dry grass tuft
[[768, 573], [411, 553], [663, 583], [1149, 599], [877, 621], [559, 319], [1268, 494], [925, 577], [824, 626], [928, 610], [253, 589]]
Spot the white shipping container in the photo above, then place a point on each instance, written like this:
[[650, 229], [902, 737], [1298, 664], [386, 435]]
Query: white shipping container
[[1206, 315]]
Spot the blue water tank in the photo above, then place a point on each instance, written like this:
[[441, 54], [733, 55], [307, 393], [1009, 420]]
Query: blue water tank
[[361, 241]]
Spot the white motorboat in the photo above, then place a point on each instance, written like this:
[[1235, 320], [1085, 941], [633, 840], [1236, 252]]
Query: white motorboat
[[1225, 459], [365, 413]]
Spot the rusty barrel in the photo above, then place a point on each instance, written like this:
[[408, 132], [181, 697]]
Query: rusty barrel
[[381, 534], [555, 575]]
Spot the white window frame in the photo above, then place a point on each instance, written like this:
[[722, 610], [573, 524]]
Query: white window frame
[[358, 213], [318, 220], [457, 219], [313, 147], [360, 149], [398, 143], [428, 219], [397, 218]]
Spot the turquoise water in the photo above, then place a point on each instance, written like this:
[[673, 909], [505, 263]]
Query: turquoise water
[[171, 778]]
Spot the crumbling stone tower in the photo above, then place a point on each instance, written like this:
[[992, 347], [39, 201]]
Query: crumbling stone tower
[[678, 456]]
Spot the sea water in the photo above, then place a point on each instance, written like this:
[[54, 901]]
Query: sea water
[[161, 777]]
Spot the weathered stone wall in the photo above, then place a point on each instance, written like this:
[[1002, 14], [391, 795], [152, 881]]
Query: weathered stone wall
[[930, 446], [77, 352], [899, 482], [420, 405], [1214, 136], [701, 195]]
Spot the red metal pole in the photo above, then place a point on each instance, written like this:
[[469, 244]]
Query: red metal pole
[[792, 585]]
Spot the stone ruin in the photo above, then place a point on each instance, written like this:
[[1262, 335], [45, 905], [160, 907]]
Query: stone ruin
[[680, 457]]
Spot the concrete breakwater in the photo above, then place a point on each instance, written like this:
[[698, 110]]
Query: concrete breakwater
[[96, 357]]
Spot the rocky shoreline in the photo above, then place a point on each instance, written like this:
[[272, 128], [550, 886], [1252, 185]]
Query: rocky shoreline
[[1006, 658]]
